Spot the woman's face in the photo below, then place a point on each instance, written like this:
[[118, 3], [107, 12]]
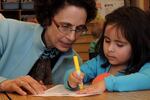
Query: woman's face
[[57, 35], [116, 48]]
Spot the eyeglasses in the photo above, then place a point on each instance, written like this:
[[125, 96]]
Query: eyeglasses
[[67, 28]]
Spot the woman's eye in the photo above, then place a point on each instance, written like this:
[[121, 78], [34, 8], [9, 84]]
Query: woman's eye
[[65, 26]]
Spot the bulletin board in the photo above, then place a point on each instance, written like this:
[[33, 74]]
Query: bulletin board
[[107, 6]]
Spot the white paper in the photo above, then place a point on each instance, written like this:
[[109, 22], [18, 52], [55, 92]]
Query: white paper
[[59, 90]]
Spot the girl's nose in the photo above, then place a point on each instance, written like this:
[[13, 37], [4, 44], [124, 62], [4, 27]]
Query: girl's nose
[[111, 48]]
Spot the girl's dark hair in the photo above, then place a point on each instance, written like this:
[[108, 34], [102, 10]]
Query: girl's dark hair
[[134, 25], [46, 9]]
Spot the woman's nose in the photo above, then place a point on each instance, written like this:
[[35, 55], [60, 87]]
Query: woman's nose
[[72, 36]]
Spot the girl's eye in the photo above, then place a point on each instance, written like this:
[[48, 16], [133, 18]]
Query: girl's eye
[[107, 40], [120, 45]]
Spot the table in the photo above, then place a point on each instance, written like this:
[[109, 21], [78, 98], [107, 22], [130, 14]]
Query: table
[[138, 95]]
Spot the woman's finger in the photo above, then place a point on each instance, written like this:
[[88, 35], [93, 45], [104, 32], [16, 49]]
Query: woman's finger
[[27, 87], [18, 89], [36, 86]]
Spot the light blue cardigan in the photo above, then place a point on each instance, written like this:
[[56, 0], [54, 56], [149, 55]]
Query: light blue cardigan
[[21, 46], [120, 82]]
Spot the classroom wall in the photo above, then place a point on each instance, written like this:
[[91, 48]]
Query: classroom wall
[[82, 46]]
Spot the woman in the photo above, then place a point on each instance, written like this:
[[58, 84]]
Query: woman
[[24, 47]]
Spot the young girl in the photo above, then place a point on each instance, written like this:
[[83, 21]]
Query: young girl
[[123, 52]]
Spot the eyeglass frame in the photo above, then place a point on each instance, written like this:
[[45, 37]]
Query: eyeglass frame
[[78, 32]]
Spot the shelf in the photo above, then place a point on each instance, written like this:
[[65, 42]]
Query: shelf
[[23, 9], [16, 14]]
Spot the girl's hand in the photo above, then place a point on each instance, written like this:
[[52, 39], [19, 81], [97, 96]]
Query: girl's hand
[[22, 85], [75, 79], [94, 88]]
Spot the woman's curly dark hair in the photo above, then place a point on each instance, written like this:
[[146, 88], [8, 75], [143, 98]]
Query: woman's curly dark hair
[[46, 9]]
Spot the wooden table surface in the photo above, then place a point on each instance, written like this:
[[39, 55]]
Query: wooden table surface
[[138, 95]]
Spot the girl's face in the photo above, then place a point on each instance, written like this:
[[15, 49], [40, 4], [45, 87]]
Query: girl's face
[[61, 33], [116, 48]]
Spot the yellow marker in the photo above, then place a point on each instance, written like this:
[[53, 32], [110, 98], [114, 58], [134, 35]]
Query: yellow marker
[[77, 67]]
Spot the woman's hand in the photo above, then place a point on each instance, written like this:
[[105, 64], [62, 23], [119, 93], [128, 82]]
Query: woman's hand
[[22, 85], [94, 88], [75, 79]]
